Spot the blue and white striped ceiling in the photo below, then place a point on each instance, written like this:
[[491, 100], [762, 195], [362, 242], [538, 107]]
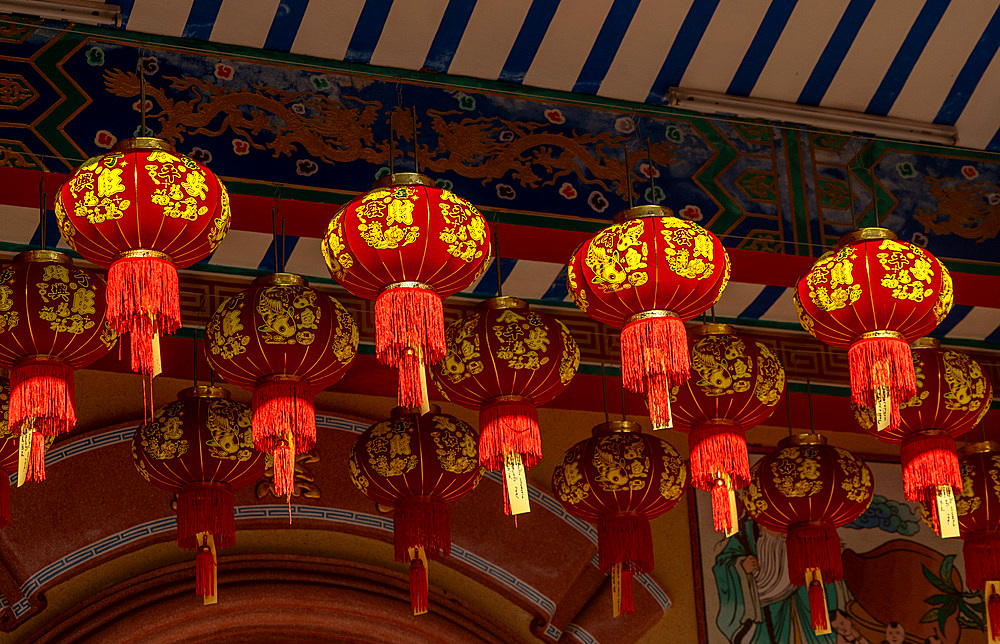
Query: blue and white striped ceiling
[[929, 60]]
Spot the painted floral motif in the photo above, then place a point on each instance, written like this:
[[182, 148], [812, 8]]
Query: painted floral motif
[[909, 272], [345, 343], [857, 477], [806, 320], [389, 448], [140, 465], [831, 281], [796, 472], [579, 296], [753, 499], [70, 299], [108, 337], [617, 256], [674, 474], [463, 359], [224, 332], [229, 425], [966, 383], [689, 248], [357, 477], [8, 319], [220, 225], [524, 340], [288, 315], [570, 360], [456, 445], [180, 185], [621, 462], [163, 437], [967, 501], [946, 297], [465, 231], [386, 217], [721, 365], [97, 187], [334, 249], [567, 480], [770, 376]]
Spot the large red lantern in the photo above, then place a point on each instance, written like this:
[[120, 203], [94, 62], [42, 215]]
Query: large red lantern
[[407, 245], [645, 274], [417, 463], [9, 441], [201, 448], [142, 211], [52, 320], [807, 489], [504, 359], [621, 478], [284, 341], [874, 295], [735, 385], [953, 394]]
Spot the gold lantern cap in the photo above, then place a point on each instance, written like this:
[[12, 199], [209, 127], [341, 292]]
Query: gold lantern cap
[[643, 212], [502, 303], [405, 179], [865, 234], [280, 279], [926, 343], [982, 447], [617, 426], [808, 438], [203, 391], [399, 412], [42, 255], [144, 143], [711, 328]]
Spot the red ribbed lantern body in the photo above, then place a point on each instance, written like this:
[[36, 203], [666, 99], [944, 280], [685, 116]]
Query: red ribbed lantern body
[[645, 274], [142, 212], [620, 480], [807, 489], [874, 296], [979, 522], [417, 464], [285, 341], [407, 245], [736, 383]]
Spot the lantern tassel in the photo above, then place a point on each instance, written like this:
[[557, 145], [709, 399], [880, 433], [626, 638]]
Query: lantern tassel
[[509, 425], [624, 538], [721, 510], [419, 591], [205, 507], [657, 359], [718, 448], [143, 301], [882, 363], [284, 471], [41, 388], [204, 572], [929, 460], [36, 459], [4, 500], [409, 331], [993, 606], [420, 522], [281, 404], [817, 606], [627, 601], [981, 551], [813, 545]]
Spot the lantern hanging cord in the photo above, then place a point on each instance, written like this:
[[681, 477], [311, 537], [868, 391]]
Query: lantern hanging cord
[[42, 210], [142, 94], [284, 256], [274, 225], [416, 148], [604, 388], [628, 178], [496, 255], [649, 171], [809, 398], [392, 149]]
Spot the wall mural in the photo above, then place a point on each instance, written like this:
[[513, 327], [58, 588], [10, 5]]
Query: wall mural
[[902, 583]]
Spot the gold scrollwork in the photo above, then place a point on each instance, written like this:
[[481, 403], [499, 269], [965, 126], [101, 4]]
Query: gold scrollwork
[[722, 365], [795, 472], [228, 424], [180, 185], [967, 501], [946, 297], [857, 477], [674, 474], [618, 257], [345, 343], [570, 360], [463, 359], [831, 281], [689, 248], [524, 340], [455, 445], [386, 217], [465, 230], [579, 296], [220, 225], [567, 480], [621, 462], [71, 298], [909, 271], [288, 315], [334, 249], [163, 437], [966, 382], [389, 447], [8, 318], [224, 331], [753, 499], [357, 476], [770, 376]]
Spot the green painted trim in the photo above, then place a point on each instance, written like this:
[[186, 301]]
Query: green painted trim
[[50, 128], [796, 180], [725, 154]]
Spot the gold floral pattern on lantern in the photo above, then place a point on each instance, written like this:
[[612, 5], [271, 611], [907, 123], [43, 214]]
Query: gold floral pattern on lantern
[[456, 448], [334, 250], [831, 281], [570, 360], [966, 501], [946, 297], [796, 472], [100, 184], [907, 269], [523, 340], [226, 339], [230, 430], [465, 360], [386, 217], [579, 296], [567, 480], [689, 249], [857, 482], [621, 462], [674, 474], [389, 448], [140, 465], [966, 382], [220, 225], [806, 320], [753, 498], [345, 345], [180, 185], [721, 365], [465, 229], [70, 297], [357, 476], [289, 315], [163, 437], [618, 256], [771, 376], [8, 319]]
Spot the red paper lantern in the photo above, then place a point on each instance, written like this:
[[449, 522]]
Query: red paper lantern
[[142, 211], [979, 521], [503, 360], [407, 245], [201, 448], [807, 489], [645, 274], [417, 464], [285, 341], [873, 295], [735, 385], [953, 394], [621, 478], [52, 320], [9, 440]]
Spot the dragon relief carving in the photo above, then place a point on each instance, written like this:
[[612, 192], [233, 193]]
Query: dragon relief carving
[[964, 208]]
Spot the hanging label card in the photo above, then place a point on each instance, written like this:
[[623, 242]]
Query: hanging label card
[[157, 363], [425, 404], [947, 512], [24, 450], [517, 484], [989, 588], [734, 517], [883, 412], [214, 597], [616, 590]]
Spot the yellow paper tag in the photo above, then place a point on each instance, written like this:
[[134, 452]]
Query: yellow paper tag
[[616, 590], [733, 515], [517, 484], [882, 410], [425, 405], [24, 450], [989, 588], [947, 512], [157, 363], [815, 574], [214, 597]]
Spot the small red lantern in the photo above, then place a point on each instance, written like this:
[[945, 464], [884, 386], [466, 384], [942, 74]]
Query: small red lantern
[[201, 448], [735, 385], [873, 295], [285, 341], [142, 211], [503, 360], [9, 440], [807, 489], [407, 245], [645, 274], [621, 478], [417, 463], [953, 394], [979, 519], [52, 320]]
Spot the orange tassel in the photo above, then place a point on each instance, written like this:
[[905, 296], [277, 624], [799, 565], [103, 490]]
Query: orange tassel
[[419, 592], [656, 358], [143, 300], [204, 572], [36, 460], [817, 606]]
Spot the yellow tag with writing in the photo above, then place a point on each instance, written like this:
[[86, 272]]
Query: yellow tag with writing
[[947, 511], [616, 590], [733, 514], [425, 404], [989, 588], [157, 363], [517, 484], [24, 450], [214, 597], [814, 574], [882, 410]]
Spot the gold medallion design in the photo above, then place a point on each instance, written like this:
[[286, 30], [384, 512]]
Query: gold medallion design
[[70, 298], [455, 445], [231, 434], [831, 282], [621, 462], [796, 472], [289, 315], [163, 437], [389, 448]]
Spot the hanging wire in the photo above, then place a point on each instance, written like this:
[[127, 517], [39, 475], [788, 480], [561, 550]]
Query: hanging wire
[[871, 178], [142, 95], [284, 255], [496, 255], [274, 224], [604, 388], [649, 161], [809, 397], [416, 148], [392, 148], [628, 178], [850, 197], [42, 208]]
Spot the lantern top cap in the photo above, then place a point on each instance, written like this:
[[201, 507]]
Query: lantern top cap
[[144, 143], [982, 447], [643, 212], [865, 234], [711, 328], [42, 255], [405, 179], [501, 303], [399, 412], [203, 391], [926, 343], [617, 426], [803, 439], [280, 279]]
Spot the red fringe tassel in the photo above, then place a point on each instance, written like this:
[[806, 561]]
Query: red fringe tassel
[[42, 389], [281, 405], [419, 592], [4, 500], [36, 458], [624, 539], [993, 605], [721, 515], [204, 572], [982, 559], [409, 331], [509, 427], [205, 507], [143, 300], [284, 471], [655, 358], [814, 545], [929, 460], [817, 606], [882, 362], [715, 449], [628, 603], [421, 522]]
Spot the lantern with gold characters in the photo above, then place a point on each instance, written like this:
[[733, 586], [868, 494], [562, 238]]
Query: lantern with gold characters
[[620, 478], [201, 448], [407, 245], [52, 321], [736, 383], [873, 295], [417, 463], [285, 341], [9, 442], [807, 489], [504, 359], [142, 211], [646, 274], [953, 395]]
